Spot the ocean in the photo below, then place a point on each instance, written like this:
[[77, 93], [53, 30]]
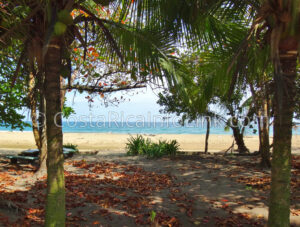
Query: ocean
[[146, 128]]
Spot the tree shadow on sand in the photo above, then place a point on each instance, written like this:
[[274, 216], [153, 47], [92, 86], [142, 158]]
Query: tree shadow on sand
[[192, 191]]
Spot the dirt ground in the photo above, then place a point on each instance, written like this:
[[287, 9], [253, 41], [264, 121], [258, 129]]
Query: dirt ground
[[112, 189]]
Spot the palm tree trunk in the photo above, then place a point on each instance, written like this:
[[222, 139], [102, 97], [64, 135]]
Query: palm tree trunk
[[279, 207], [42, 129], [62, 92], [33, 108], [259, 126], [262, 110], [239, 140], [55, 206], [264, 135], [43, 134], [207, 134]]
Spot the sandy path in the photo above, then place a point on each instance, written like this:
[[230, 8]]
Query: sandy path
[[204, 191], [210, 182]]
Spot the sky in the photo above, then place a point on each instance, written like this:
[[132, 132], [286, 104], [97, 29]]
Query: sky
[[137, 102]]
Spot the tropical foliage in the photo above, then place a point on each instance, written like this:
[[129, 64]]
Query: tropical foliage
[[71, 146], [13, 100], [140, 146], [246, 40]]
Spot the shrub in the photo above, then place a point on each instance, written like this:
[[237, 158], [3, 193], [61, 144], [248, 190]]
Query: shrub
[[141, 146], [135, 145], [170, 148], [153, 151]]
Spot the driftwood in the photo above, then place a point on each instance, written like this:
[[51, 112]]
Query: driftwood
[[238, 152], [231, 149]]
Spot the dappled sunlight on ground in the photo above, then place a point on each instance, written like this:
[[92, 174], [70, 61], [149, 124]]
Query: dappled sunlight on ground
[[117, 190]]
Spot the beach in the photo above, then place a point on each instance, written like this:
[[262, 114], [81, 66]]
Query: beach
[[117, 142]]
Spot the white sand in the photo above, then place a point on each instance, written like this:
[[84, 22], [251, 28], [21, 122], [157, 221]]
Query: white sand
[[116, 142]]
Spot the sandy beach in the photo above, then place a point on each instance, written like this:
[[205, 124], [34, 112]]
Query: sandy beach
[[116, 142]]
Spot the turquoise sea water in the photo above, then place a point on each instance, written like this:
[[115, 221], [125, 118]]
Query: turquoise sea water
[[144, 128]]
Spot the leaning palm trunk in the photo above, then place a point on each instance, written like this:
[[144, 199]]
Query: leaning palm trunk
[[238, 135], [55, 206], [279, 208], [239, 140]]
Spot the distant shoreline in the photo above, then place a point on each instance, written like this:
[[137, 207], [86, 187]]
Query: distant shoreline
[[148, 128], [127, 133], [147, 134]]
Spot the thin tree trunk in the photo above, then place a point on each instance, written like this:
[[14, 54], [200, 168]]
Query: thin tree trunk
[[279, 207], [42, 129], [43, 136], [207, 134], [258, 112], [264, 140], [62, 92], [55, 206], [33, 108], [259, 125], [261, 102]]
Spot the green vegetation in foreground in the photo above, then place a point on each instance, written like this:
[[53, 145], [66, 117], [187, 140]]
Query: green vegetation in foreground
[[140, 146], [71, 146]]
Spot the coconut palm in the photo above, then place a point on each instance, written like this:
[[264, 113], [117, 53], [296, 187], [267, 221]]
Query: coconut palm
[[204, 92], [47, 31], [281, 18], [278, 21], [193, 22]]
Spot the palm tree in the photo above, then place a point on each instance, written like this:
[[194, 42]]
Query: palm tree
[[195, 22], [49, 31], [282, 20], [278, 20]]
